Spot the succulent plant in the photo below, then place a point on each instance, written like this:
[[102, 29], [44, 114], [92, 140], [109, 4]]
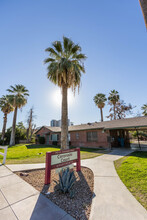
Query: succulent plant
[[66, 181]]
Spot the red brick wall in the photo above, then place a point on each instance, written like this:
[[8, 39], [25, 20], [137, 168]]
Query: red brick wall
[[44, 132], [82, 141]]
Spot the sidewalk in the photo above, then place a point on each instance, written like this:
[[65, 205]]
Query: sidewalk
[[112, 199], [20, 201]]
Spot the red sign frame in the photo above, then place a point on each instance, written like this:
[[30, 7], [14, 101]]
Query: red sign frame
[[49, 167]]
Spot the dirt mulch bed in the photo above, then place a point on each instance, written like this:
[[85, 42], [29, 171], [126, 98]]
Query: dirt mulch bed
[[79, 207]]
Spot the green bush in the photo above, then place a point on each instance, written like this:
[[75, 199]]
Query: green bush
[[41, 140], [20, 134]]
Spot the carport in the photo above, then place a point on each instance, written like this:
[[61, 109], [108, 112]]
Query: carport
[[119, 130]]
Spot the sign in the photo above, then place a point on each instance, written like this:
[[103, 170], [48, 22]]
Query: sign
[[58, 170], [58, 159]]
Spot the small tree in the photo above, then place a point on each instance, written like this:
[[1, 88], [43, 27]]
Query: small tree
[[100, 100], [121, 110], [20, 133]]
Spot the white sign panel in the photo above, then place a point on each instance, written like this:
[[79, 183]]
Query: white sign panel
[[58, 170], [65, 157]]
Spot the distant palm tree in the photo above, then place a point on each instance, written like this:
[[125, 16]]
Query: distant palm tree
[[18, 99], [100, 100], [144, 108], [6, 108], [64, 69], [114, 98]]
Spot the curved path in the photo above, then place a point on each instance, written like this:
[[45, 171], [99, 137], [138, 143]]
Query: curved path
[[112, 200]]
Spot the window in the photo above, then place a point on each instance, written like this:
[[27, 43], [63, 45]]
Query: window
[[68, 136], [92, 136], [54, 137], [77, 136]]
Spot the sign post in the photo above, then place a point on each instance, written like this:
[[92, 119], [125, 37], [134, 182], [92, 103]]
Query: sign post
[[58, 159]]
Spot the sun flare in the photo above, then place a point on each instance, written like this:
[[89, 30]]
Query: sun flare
[[57, 97]]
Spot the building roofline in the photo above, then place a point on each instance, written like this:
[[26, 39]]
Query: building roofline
[[125, 123]]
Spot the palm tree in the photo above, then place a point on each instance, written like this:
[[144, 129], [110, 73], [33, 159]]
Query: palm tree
[[18, 99], [6, 108], [114, 98], [65, 67], [100, 100], [143, 4], [144, 108]]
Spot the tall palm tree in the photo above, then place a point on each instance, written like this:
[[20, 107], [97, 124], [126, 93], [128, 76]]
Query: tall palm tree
[[6, 108], [100, 100], [114, 98], [65, 67], [143, 4], [18, 99], [144, 108]]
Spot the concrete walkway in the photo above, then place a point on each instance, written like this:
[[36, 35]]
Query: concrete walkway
[[112, 199], [22, 167], [20, 201]]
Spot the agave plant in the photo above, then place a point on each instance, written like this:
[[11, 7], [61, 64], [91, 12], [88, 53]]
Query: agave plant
[[66, 181]]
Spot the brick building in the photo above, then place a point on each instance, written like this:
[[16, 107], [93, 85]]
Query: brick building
[[113, 133]]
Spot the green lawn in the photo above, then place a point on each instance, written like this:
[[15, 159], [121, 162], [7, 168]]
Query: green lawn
[[36, 153], [133, 172]]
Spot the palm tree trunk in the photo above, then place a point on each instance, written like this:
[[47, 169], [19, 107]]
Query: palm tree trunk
[[12, 139], [114, 112], [101, 110], [30, 124], [64, 119], [4, 126]]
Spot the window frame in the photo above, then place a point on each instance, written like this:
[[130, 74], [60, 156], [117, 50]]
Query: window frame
[[90, 136], [77, 135]]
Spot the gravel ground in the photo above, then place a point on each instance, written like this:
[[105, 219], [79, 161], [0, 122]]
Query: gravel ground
[[79, 207]]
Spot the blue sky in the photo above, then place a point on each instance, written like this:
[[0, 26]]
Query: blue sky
[[111, 33]]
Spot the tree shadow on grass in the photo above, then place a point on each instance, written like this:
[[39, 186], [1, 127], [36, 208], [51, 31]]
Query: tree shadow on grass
[[141, 154], [35, 146]]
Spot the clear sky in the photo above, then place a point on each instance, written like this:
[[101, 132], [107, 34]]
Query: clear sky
[[111, 33]]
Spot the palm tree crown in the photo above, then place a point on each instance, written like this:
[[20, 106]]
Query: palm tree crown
[[100, 100], [5, 105], [113, 96], [65, 63], [144, 108], [18, 97]]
